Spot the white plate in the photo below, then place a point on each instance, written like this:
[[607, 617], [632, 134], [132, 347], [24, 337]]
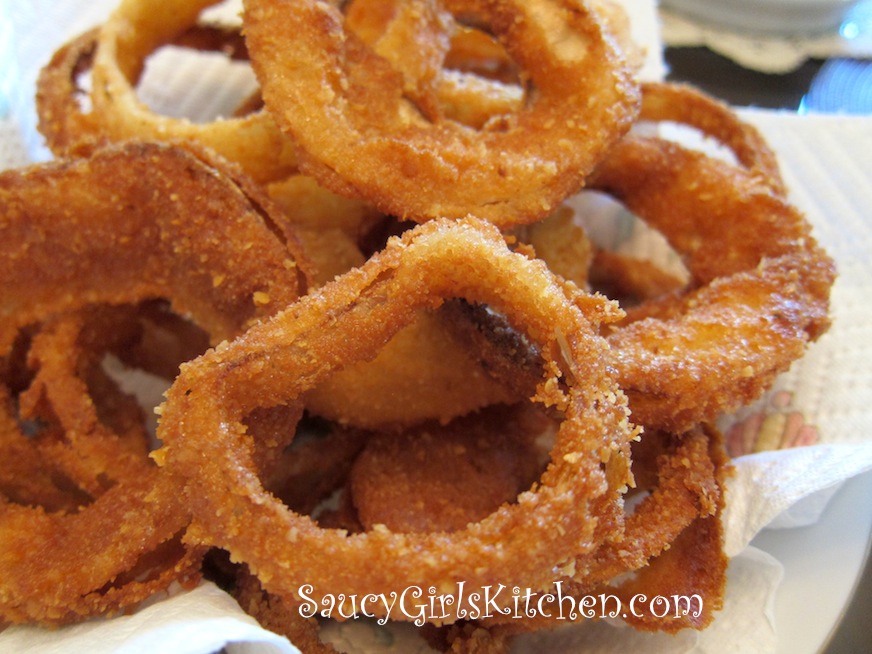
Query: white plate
[[772, 16], [822, 566]]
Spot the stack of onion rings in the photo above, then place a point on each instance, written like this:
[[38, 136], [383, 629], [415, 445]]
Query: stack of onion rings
[[362, 361]]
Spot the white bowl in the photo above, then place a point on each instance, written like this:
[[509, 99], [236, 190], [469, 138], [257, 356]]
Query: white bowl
[[770, 16]]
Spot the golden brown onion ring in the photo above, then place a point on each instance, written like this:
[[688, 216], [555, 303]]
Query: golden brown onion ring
[[73, 435], [672, 543], [95, 428], [134, 222], [128, 224], [442, 81], [390, 28], [682, 477], [116, 54], [275, 362], [68, 126], [693, 565], [443, 477], [759, 289], [681, 103], [344, 104], [32, 479], [456, 71]]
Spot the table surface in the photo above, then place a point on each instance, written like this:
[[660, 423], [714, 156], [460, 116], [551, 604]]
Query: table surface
[[831, 86]]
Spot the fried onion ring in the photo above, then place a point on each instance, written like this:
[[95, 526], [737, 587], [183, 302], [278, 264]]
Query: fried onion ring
[[443, 75], [344, 104], [126, 523], [759, 289], [276, 361], [441, 478], [132, 223], [116, 53], [672, 543], [66, 356], [85, 250], [456, 70], [683, 104]]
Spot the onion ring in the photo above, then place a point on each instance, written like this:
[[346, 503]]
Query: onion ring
[[68, 128], [276, 361], [672, 543], [686, 105], [759, 290], [67, 356], [457, 71], [343, 105], [133, 222], [102, 470], [32, 480], [115, 54], [693, 564], [443, 477], [87, 250], [433, 76]]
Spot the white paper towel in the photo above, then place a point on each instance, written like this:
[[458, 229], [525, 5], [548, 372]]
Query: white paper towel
[[201, 621]]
